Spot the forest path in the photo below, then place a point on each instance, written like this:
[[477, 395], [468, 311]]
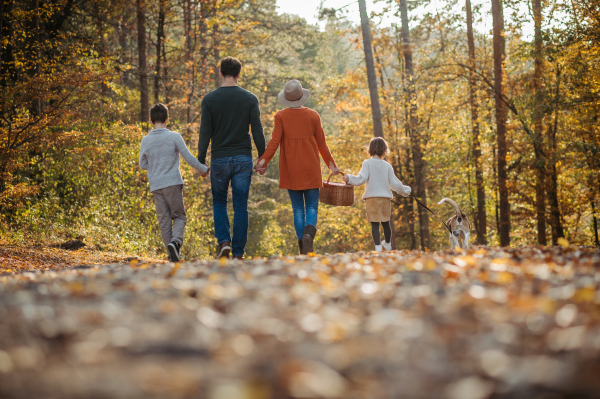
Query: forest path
[[510, 323]]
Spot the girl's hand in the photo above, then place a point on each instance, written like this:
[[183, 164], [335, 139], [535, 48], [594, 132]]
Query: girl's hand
[[334, 169]]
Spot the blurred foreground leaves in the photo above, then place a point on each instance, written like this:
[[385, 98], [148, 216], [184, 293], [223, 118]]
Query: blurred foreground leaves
[[482, 323]]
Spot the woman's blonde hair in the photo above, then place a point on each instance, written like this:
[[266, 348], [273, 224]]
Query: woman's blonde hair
[[378, 146]]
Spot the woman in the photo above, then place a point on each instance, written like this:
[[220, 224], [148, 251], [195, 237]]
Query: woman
[[299, 132]]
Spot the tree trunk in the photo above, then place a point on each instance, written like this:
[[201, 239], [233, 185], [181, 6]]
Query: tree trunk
[[204, 52], [481, 214], [413, 129], [1, 32], [371, 77], [144, 97], [538, 110], [187, 30], [597, 243], [552, 186], [217, 56], [499, 51], [160, 35]]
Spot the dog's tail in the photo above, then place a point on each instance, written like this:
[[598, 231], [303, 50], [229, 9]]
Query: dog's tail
[[454, 205]]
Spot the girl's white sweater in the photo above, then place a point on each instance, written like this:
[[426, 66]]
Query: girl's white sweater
[[379, 176]]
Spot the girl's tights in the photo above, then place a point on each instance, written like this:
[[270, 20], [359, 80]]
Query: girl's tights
[[387, 232]]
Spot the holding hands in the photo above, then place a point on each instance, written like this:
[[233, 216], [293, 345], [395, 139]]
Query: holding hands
[[203, 174], [334, 169], [260, 167]]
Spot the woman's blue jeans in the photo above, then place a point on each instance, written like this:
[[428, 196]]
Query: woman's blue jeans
[[305, 205], [238, 171]]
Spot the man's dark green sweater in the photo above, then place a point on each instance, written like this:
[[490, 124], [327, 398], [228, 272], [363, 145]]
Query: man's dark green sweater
[[227, 114]]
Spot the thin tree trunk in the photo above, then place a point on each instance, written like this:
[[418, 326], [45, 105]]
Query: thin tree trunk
[[413, 129], [481, 214], [1, 32], [144, 97], [552, 186], [160, 35], [165, 74], [499, 52], [371, 76], [217, 56], [540, 164], [597, 243], [187, 29], [204, 52]]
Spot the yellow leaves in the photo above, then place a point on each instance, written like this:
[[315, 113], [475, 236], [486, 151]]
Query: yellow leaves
[[563, 242]]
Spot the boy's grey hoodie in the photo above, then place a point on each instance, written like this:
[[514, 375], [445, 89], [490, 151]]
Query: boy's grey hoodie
[[159, 154]]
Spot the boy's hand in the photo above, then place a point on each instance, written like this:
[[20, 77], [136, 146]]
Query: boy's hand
[[260, 168], [205, 173]]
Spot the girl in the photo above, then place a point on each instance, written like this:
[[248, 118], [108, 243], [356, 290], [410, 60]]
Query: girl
[[380, 177], [299, 135]]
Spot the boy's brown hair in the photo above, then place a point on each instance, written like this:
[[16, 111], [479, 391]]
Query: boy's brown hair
[[159, 113], [230, 67], [378, 146]]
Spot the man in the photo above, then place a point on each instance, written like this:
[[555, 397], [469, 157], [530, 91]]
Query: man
[[227, 113]]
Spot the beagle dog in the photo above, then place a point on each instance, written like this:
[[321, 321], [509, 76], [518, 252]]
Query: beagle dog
[[459, 225]]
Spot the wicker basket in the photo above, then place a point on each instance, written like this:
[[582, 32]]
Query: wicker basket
[[338, 194]]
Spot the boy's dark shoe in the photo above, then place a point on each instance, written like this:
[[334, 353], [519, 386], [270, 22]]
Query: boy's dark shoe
[[224, 249], [238, 257], [173, 249], [300, 245], [307, 241]]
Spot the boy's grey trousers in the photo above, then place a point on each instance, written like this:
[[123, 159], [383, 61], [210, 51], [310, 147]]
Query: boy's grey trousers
[[171, 213]]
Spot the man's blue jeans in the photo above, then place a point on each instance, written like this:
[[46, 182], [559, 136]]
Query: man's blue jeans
[[238, 170], [304, 216]]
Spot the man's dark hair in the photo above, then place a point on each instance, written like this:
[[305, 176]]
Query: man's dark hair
[[231, 67], [378, 146], [159, 113]]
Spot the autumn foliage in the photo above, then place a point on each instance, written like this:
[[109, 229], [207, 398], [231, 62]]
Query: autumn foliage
[[76, 75]]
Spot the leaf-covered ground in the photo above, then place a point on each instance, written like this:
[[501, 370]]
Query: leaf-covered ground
[[487, 323], [18, 258]]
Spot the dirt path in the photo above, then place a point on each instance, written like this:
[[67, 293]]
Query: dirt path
[[522, 323]]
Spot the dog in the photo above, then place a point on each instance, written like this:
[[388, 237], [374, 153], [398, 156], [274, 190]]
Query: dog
[[459, 226]]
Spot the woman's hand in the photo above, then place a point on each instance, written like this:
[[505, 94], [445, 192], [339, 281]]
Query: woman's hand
[[260, 168], [334, 169], [346, 178]]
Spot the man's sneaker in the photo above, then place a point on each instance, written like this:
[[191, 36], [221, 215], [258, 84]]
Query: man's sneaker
[[387, 245], [224, 250], [173, 249], [378, 248]]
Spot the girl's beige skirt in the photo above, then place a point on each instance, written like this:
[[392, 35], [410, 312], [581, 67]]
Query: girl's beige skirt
[[378, 209]]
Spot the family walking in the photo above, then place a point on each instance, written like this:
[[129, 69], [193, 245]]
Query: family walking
[[228, 113]]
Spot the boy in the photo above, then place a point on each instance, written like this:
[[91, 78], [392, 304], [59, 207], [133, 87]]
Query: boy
[[159, 155]]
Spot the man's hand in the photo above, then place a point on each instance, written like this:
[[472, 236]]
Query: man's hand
[[260, 167], [205, 173], [334, 169]]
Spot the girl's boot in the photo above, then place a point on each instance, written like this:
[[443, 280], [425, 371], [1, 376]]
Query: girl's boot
[[307, 241]]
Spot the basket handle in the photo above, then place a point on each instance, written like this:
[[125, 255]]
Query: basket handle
[[331, 174]]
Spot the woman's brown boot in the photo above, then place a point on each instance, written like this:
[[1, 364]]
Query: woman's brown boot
[[300, 246], [307, 241]]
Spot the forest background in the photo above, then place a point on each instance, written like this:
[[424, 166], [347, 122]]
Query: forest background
[[520, 154]]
